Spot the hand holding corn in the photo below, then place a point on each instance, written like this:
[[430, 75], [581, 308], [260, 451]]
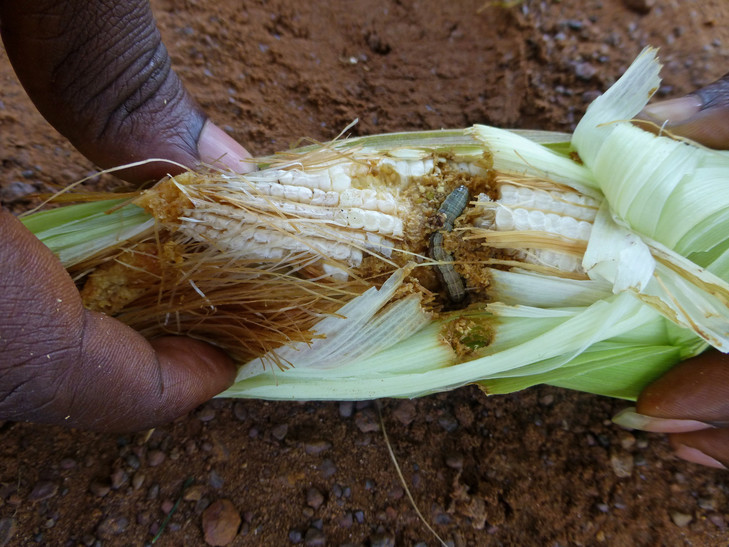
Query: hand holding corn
[[403, 264], [60, 363], [508, 204]]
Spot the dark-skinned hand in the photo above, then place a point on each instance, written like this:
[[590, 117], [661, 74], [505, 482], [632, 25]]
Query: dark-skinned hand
[[691, 401], [98, 72]]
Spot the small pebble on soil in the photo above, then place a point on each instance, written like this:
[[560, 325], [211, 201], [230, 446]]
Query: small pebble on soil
[[8, 528], [220, 523], [155, 458], [681, 519], [405, 412], [314, 448], [314, 498], [315, 538], [366, 421], [43, 490], [112, 526], [622, 464]]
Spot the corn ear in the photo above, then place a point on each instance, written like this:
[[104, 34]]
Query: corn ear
[[343, 271]]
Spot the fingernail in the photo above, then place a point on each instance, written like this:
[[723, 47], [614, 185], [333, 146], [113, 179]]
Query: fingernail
[[631, 419], [694, 455], [673, 111], [220, 150]]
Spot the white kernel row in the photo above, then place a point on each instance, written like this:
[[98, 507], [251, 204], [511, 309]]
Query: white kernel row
[[266, 244], [335, 178], [409, 168], [564, 262], [277, 250], [468, 167], [299, 194], [269, 211], [332, 179], [526, 220], [215, 224], [368, 199], [521, 209], [371, 221], [384, 202], [563, 203]]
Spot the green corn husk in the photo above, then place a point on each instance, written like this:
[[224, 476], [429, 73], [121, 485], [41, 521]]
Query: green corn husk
[[337, 303]]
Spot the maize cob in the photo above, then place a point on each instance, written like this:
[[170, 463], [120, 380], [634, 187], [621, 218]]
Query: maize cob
[[362, 268], [376, 212]]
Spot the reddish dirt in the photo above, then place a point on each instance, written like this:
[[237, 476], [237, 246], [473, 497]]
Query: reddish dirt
[[541, 467]]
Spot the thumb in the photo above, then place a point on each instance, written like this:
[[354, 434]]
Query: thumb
[[124, 383], [99, 73], [62, 364], [691, 403], [702, 116]]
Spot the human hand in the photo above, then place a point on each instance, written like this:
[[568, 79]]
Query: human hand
[[702, 116], [63, 364], [691, 401], [97, 70]]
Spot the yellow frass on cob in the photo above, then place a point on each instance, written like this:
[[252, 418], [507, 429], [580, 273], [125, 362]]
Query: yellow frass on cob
[[404, 264]]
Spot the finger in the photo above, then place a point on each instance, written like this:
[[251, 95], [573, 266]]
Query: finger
[[98, 72], [697, 389], [709, 447], [702, 115], [630, 419], [64, 365], [218, 149], [124, 383]]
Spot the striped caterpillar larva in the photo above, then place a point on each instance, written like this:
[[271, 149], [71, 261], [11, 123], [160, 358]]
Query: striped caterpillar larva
[[450, 209]]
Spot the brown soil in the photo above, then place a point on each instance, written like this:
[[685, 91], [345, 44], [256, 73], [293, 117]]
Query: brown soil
[[542, 467]]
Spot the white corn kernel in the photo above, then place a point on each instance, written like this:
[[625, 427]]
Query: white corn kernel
[[584, 230], [387, 204], [521, 219], [379, 245], [355, 218], [331, 199], [335, 272], [317, 197], [386, 224], [371, 220], [420, 168], [504, 219], [321, 180], [369, 199], [286, 177], [552, 222], [397, 229], [339, 180], [277, 190], [537, 220], [350, 197]]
